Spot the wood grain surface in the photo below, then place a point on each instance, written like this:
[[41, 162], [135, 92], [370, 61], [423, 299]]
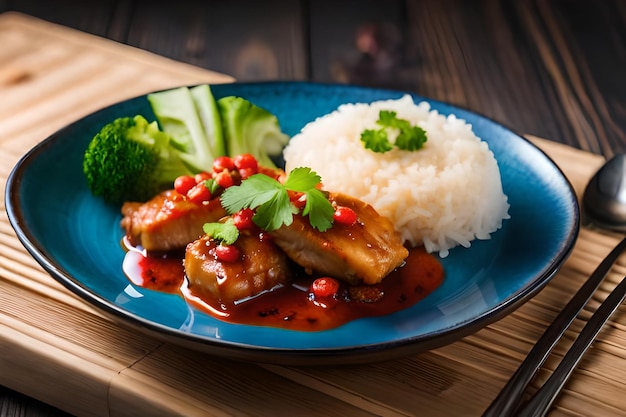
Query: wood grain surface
[[548, 68]]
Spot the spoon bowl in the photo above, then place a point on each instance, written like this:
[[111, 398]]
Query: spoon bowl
[[604, 199]]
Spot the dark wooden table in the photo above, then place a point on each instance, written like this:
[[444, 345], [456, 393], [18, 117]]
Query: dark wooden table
[[554, 68]]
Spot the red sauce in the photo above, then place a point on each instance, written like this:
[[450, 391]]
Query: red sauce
[[293, 306]]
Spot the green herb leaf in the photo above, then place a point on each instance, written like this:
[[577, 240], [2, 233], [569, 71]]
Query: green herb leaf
[[302, 179], [276, 212], [226, 233], [212, 185], [319, 210], [253, 192], [376, 140], [409, 138], [388, 118], [270, 200]]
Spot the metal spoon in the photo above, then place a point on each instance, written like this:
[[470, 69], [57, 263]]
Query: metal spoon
[[604, 199]]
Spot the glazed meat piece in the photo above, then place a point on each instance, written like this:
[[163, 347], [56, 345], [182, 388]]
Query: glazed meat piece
[[261, 267], [362, 253], [168, 221]]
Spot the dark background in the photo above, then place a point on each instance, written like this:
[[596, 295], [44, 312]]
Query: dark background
[[550, 68]]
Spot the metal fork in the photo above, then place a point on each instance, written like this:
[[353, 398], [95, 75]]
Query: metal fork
[[508, 400]]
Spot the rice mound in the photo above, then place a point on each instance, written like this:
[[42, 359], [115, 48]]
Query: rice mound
[[446, 194]]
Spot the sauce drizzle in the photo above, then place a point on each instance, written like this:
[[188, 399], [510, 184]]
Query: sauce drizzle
[[291, 306]]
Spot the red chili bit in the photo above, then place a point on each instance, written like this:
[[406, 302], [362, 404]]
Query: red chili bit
[[247, 172], [199, 193], [345, 215], [325, 287], [224, 179], [243, 219], [227, 253], [222, 163], [298, 199], [202, 177], [184, 183], [246, 162]]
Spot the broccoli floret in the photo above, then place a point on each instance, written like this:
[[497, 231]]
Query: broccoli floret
[[131, 159], [251, 129]]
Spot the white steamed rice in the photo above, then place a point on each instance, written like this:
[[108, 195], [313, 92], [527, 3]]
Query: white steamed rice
[[446, 194]]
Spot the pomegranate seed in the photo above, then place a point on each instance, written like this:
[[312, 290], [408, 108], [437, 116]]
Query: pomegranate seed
[[224, 179], [227, 253], [325, 287], [222, 163], [243, 219], [184, 183], [345, 215], [202, 177], [199, 193], [246, 161], [247, 172], [298, 199]]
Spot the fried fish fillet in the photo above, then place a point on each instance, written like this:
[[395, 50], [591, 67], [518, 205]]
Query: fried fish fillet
[[362, 253], [168, 221], [261, 267]]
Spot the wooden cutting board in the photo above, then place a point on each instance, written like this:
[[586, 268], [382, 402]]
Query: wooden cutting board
[[57, 348]]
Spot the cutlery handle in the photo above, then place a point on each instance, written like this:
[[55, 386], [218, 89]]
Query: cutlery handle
[[545, 396], [509, 397]]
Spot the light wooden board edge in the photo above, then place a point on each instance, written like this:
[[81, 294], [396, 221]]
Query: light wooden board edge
[[124, 51]]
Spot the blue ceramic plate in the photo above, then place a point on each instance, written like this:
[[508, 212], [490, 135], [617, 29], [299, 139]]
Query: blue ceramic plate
[[76, 238]]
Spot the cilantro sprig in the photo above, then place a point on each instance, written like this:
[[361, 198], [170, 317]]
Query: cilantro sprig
[[409, 138], [270, 200], [225, 233], [212, 185]]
